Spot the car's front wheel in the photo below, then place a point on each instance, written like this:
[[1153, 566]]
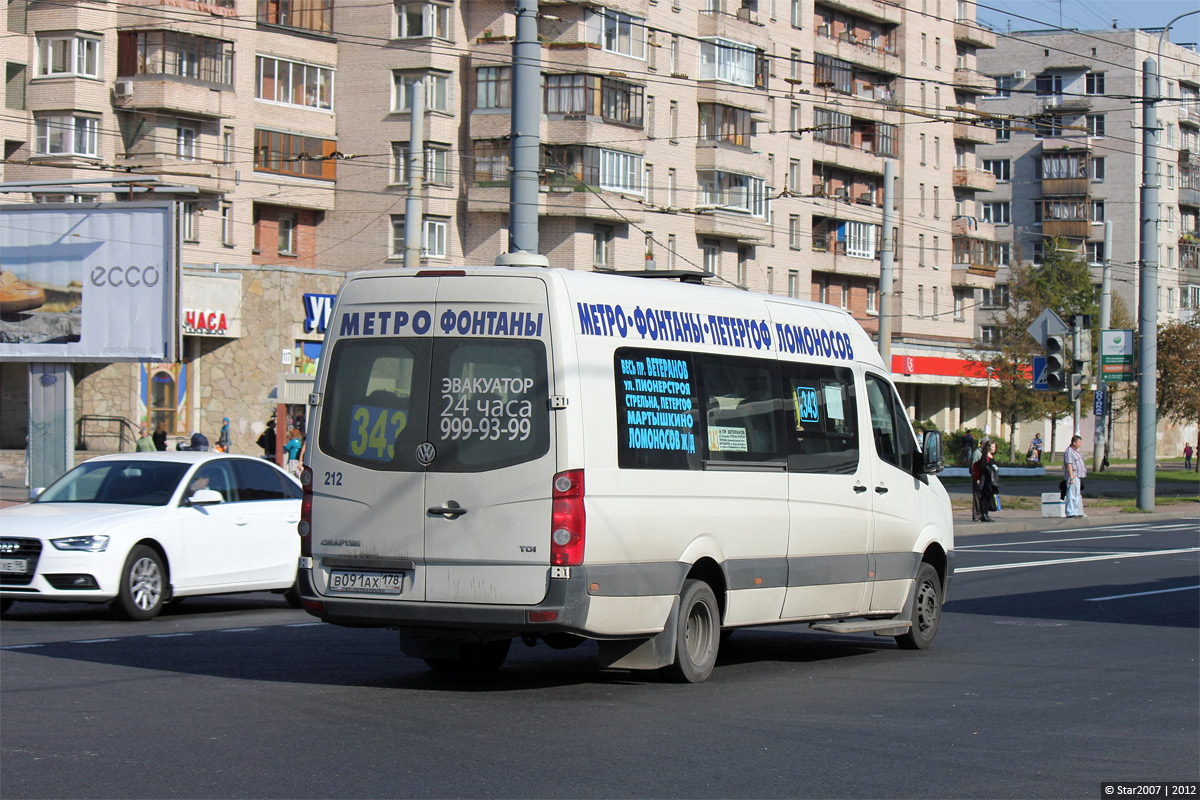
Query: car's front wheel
[[143, 585]]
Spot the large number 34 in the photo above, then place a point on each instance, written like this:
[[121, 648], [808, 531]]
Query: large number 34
[[374, 431]]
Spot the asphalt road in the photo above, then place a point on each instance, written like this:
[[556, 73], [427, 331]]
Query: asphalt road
[[1045, 680]]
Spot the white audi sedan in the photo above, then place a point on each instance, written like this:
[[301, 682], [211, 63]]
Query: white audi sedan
[[139, 529]]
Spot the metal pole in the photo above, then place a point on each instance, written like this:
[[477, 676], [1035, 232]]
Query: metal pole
[[413, 209], [885, 265], [1076, 345], [1100, 441], [526, 140], [1148, 295]]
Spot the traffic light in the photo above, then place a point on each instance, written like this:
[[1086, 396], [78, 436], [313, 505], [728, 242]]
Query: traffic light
[[1076, 386], [1056, 362]]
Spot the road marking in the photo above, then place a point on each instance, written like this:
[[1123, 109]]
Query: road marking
[[18, 646], [93, 641], [166, 635], [1049, 541], [1141, 594], [1077, 560], [303, 624], [235, 630], [1052, 552]]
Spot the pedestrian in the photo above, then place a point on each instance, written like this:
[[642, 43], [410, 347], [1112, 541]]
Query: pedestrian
[[292, 449], [266, 440], [1074, 471], [989, 482], [145, 444], [977, 508], [1187, 456], [968, 447], [1036, 446], [160, 436]]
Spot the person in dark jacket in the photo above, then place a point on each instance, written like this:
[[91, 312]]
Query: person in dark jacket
[[160, 436], [266, 441], [989, 482], [976, 498]]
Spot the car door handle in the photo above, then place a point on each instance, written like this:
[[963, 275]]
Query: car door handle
[[451, 510], [240, 521], [859, 488], [881, 489]]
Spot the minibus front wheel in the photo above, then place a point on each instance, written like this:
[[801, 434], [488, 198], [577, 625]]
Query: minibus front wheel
[[926, 610]]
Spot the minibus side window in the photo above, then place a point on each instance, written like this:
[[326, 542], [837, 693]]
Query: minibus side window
[[893, 440], [657, 412], [372, 416], [822, 414], [741, 409]]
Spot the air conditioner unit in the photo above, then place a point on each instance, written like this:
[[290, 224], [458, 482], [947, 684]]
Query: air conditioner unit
[[842, 193], [123, 89], [866, 198], [823, 30], [1019, 75]]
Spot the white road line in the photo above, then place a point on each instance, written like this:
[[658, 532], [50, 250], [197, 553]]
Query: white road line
[[1077, 560], [303, 624], [166, 635], [1141, 594], [1048, 541], [18, 646], [235, 630], [1052, 552], [93, 641]]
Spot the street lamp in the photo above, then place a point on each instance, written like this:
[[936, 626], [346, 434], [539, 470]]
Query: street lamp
[[987, 420]]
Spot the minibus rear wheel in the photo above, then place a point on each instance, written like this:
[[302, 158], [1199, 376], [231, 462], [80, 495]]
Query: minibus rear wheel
[[698, 634], [926, 612]]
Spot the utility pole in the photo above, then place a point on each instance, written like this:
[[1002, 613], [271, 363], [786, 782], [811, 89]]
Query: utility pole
[[1147, 421], [885, 265], [1100, 440], [414, 210]]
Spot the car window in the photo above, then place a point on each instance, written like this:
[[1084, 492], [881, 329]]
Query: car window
[[214, 475], [893, 440], [258, 480], [823, 419], [133, 482]]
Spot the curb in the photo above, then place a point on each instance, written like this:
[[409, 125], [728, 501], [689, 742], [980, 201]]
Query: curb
[[1001, 525]]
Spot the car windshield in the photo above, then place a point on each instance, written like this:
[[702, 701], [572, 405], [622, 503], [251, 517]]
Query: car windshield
[[135, 483]]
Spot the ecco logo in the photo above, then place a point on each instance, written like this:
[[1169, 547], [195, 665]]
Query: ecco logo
[[126, 276]]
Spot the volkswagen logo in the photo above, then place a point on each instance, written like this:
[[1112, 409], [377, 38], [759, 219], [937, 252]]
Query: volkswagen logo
[[426, 453]]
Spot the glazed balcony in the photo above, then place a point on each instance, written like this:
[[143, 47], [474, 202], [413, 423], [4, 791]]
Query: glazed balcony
[[1071, 228]]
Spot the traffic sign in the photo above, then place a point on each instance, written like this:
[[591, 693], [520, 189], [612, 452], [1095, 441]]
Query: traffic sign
[[1047, 324], [1116, 356], [1039, 374], [1100, 402]]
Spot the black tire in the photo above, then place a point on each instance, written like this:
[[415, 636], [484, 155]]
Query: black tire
[[476, 659], [926, 611], [143, 585], [292, 595], [697, 635], [6, 604]]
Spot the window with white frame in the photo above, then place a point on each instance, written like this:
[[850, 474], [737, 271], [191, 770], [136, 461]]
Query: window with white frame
[[731, 191], [860, 239], [872, 298], [794, 240], [711, 249], [62, 56], [617, 32], [437, 91], [1094, 83], [287, 234], [998, 212], [69, 136], [602, 246], [731, 62], [435, 155], [1095, 125], [1004, 87], [185, 143], [1039, 252], [1097, 211], [227, 224], [1098, 169], [989, 334], [960, 305], [1000, 167], [493, 87], [416, 20], [433, 240], [295, 83], [1095, 252], [188, 227], [793, 284], [620, 172]]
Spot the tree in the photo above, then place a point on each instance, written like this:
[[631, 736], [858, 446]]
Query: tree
[[1179, 373], [1062, 283]]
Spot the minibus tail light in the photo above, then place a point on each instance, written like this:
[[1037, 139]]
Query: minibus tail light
[[567, 520], [304, 528]]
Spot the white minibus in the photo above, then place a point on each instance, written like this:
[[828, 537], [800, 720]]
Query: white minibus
[[559, 456]]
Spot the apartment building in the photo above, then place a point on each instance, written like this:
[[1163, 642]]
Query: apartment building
[[1068, 156], [745, 138], [226, 107]]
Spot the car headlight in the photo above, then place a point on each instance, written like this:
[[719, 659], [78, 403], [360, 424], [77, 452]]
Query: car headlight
[[90, 544]]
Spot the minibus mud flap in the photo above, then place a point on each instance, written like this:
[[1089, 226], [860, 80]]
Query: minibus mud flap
[[653, 653]]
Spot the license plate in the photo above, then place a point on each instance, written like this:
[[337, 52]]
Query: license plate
[[357, 582], [14, 565]]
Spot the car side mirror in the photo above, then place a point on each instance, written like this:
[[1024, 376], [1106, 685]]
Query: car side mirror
[[205, 497], [932, 459]]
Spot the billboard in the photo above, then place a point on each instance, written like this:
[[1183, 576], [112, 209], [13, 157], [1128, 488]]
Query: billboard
[[87, 283]]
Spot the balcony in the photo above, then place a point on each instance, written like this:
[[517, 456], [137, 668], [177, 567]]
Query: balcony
[[973, 33], [1189, 197], [871, 9], [1071, 228], [173, 96], [735, 23], [727, 158], [978, 133], [858, 52], [973, 81], [978, 180], [732, 225], [557, 201], [1189, 255], [1064, 104], [973, 227], [1066, 187]]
